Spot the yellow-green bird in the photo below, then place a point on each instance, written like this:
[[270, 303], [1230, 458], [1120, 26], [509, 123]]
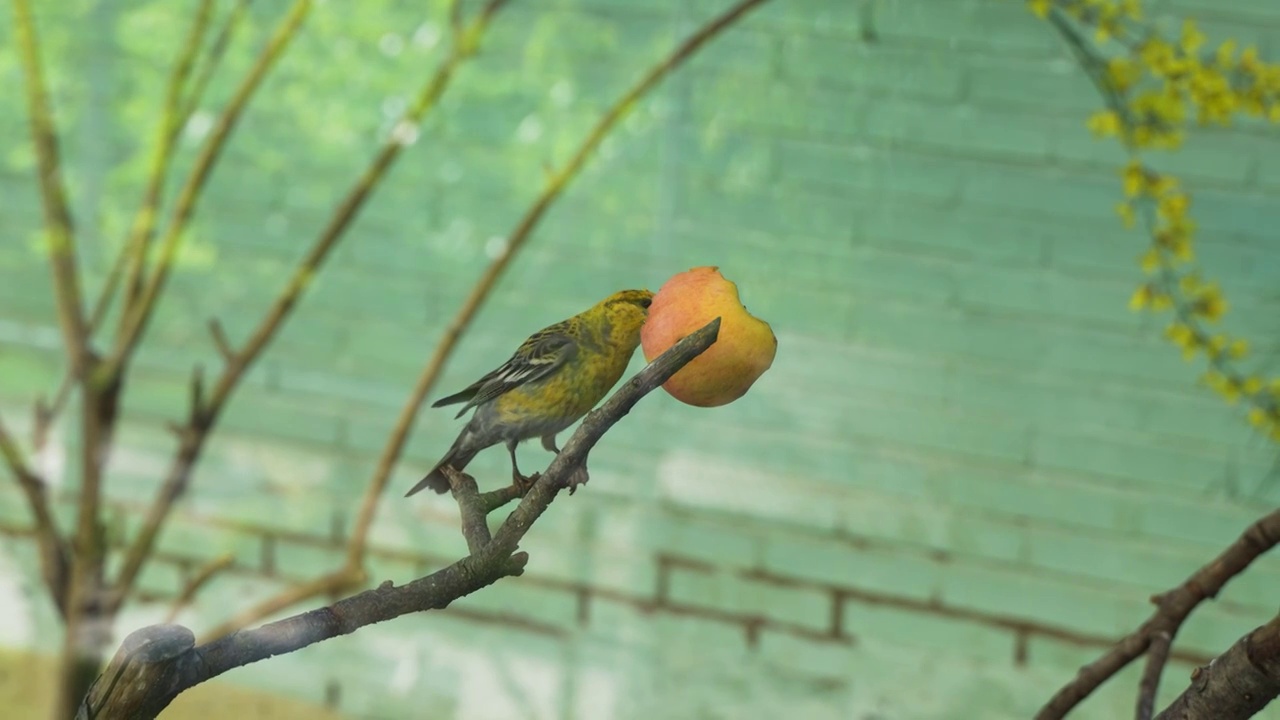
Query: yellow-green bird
[[553, 379]]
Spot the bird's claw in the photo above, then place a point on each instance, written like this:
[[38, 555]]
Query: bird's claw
[[524, 484], [578, 477]]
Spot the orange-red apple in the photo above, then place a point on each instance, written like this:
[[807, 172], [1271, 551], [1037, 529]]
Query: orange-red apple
[[743, 350]]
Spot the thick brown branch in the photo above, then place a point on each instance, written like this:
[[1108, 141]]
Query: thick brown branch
[[1236, 685], [157, 663], [1172, 610], [329, 585]]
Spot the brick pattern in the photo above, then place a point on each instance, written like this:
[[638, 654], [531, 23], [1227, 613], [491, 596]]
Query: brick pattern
[[968, 450]]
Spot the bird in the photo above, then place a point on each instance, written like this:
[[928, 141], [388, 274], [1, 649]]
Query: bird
[[552, 380]]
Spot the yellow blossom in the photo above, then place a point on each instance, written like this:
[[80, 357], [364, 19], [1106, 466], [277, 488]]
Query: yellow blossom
[[1192, 38], [1104, 123], [1125, 211]]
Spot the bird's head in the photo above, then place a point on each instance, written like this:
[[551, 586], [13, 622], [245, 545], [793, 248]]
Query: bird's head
[[627, 310]]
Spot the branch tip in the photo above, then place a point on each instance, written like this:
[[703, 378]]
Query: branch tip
[[220, 341]]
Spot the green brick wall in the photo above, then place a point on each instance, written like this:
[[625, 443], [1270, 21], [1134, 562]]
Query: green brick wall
[[967, 470]]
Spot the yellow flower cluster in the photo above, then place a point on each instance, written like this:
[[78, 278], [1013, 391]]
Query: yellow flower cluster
[[1154, 87]]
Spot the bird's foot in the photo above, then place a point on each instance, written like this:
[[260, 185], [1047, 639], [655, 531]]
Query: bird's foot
[[578, 477], [524, 484]]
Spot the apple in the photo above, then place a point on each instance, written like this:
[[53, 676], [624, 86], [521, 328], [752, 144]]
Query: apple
[[743, 350]]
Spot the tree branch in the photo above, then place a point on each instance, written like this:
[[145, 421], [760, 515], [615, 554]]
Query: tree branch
[[193, 586], [1157, 658], [157, 663], [1237, 684], [54, 553], [144, 222], [239, 361], [57, 213], [1173, 608], [133, 321], [172, 120], [475, 516], [376, 486]]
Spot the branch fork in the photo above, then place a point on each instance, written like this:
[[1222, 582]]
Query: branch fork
[[156, 663]]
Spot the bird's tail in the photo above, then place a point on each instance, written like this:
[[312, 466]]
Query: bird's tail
[[457, 458]]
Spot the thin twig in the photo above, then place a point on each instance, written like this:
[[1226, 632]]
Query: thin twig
[[220, 341], [1149, 686], [54, 553], [57, 213], [144, 222], [197, 581], [211, 62], [1173, 609]]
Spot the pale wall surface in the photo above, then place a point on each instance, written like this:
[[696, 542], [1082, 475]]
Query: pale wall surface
[[967, 449]]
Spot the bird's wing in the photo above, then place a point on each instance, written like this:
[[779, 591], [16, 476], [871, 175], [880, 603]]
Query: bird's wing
[[539, 356]]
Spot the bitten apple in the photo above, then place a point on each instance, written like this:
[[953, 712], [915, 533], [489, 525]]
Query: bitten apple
[[743, 350]]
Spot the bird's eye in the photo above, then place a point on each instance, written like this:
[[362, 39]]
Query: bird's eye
[[645, 303]]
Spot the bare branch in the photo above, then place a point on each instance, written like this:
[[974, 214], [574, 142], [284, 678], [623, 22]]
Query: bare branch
[[144, 222], [54, 553], [475, 520], [1173, 608], [133, 322], [220, 340], [1237, 684], [212, 61], [57, 213], [334, 583], [157, 663], [1157, 658], [172, 119], [197, 581]]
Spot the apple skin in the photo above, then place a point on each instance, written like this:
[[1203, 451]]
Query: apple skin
[[743, 350]]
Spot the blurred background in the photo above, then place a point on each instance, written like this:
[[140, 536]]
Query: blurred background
[[968, 469]]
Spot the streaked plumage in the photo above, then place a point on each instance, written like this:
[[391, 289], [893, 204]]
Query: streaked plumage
[[551, 381]]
